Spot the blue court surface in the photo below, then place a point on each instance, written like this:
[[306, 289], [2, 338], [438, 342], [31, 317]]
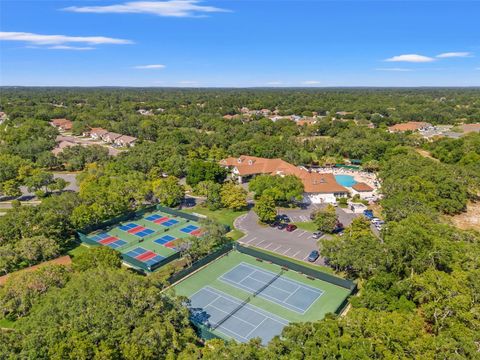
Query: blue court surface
[[128, 226], [169, 222], [213, 307], [153, 217], [164, 239], [288, 293], [188, 229], [117, 244], [137, 251], [144, 233], [99, 237]]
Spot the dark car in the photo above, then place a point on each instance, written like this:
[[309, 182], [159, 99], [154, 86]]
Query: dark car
[[291, 227], [313, 256], [281, 226], [317, 234], [274, 224]]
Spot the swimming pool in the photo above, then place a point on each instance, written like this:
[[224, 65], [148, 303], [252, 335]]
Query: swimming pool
[[345, 180]]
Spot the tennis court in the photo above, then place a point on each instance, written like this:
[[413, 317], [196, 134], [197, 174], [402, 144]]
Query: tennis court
[[210, 307], [240, 297], [288, 293], [154, 234]]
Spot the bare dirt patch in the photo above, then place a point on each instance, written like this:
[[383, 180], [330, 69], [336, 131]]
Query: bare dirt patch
[[469, 219]]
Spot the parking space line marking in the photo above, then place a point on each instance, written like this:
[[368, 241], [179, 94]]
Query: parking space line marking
[[266, 247], [279, 246], [301, 233], [249, 241], [296, 253], [261, 242], [286, 251]]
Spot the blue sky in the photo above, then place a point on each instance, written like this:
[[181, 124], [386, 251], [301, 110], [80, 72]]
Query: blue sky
[[242, 43]]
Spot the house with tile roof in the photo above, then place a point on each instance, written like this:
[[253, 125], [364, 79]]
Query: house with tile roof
[[125, 140], [318, 187], [62, 124], [410, 126]]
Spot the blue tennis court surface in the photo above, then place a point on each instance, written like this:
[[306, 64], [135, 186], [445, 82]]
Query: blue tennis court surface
[[188, 229], [153, 217], [210, 306], [144, 233], [164, 239], [128, 226], [117, 244], [170, 222], [285, 292], [99, 237], [135, 252]]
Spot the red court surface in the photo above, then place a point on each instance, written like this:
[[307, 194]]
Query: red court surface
[[161, 220], [146, 256], [108, 240]]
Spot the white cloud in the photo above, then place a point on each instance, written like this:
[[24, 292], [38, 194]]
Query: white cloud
[[38, 39], [394, 69], [173, 8], [454, 54], [153, 66], [413, 58], [311, 82], [67, 47]]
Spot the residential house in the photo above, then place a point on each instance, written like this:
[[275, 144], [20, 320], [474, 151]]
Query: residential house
[[62, 124], [125, 140], [468, 128], [319, 188], [410, 126], [97, 133], [110, 137]]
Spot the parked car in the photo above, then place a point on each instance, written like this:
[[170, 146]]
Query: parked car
[[291, 227], [282, 226], [274, 224], [317, 234], [313, 256], [283, 217], [375, 220]]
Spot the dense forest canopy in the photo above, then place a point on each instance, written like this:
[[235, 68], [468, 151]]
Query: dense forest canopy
[[419, 281]]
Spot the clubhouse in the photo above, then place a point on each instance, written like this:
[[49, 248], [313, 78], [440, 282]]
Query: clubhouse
[[319, 187]]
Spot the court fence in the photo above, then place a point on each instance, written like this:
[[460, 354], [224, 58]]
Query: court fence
[[82, 233], [344, 283], [201, 262]]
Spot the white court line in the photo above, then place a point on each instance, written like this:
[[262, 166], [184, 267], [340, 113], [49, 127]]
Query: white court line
[[286, 251]]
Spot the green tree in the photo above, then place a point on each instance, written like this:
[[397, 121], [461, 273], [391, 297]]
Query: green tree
[[233, 196], [10, 188], [200, 170], [98, 257], [37, 249], [168, 191], [326, 219], [265, 209], [118, 314]]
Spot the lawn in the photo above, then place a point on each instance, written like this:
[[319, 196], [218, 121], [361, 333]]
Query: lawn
[[5, 323], [78, 250], [223, 216], [308, 226]]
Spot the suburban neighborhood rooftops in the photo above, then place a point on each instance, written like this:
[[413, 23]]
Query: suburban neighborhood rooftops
[[64, 124], [313, 182], [470, 127], [125, 139], [98, 131]]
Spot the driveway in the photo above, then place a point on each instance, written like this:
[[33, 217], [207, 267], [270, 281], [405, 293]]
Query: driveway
[[303, 215]]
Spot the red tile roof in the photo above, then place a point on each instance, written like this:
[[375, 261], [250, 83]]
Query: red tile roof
[[362, 187], [408, 126], [312, 182], [470, 128]]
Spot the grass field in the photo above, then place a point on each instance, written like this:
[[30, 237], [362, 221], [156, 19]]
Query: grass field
[[223, 216], [208, 278], [5, 323], [308, 226]]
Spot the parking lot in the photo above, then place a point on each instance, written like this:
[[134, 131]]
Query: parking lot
[[296, 244]]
